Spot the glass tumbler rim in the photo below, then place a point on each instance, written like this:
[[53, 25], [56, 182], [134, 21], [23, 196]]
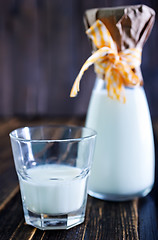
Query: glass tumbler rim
[[92, 133]]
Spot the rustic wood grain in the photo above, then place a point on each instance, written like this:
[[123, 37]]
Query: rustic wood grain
[[131, 220], [11, 215], [9, 197], [43, 46]]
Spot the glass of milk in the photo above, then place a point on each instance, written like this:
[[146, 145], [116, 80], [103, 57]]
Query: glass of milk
[[53, 165]]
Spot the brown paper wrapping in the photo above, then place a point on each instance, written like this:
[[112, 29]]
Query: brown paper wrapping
[[129, 26]]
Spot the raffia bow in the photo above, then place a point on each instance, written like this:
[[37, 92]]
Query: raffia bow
[[117, 67]]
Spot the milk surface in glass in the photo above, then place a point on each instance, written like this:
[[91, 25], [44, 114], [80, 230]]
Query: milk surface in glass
[[53, 189], [123, 164]]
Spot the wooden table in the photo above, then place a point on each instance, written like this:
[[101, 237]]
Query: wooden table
[[136, 219]]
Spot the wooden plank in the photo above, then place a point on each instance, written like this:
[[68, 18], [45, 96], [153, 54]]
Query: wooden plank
[[111, 220], [104, 220], [8, 125], [8, 186], [8, 178], [10, 217], [148, 210], [43, 45], [24, 231], [148, 218], [9, 197], [6, 160]]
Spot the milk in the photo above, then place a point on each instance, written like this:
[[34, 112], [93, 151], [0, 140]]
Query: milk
[[53, 189], [124, 154]]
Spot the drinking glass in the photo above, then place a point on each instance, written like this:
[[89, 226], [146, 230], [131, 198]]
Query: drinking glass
[[53, 165]]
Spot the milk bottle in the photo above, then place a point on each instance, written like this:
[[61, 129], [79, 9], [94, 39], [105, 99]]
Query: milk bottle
[[123, 166]]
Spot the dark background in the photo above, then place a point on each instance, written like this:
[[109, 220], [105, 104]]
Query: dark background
[[42, 47]]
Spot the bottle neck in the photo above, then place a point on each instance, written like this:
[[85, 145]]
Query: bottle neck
[[100, 84]]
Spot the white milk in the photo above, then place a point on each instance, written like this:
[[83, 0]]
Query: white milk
[[43, 193], [124, 154]]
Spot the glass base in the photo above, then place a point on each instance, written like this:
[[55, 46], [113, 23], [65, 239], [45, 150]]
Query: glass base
[[48, 222], [120, 197]]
